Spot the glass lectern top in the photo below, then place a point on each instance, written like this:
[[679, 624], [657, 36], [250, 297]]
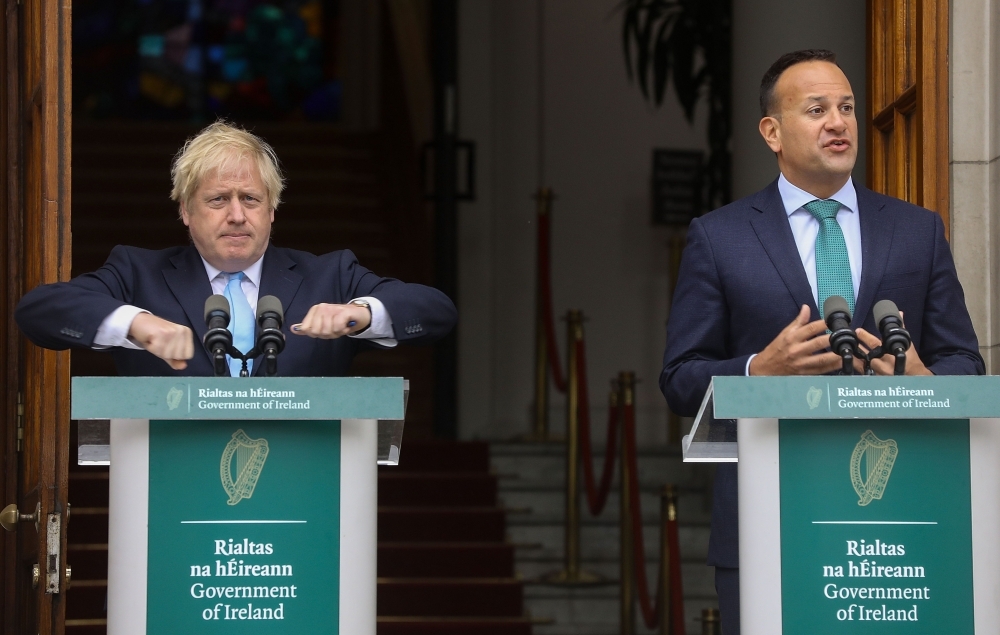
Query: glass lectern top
[[711, 440]]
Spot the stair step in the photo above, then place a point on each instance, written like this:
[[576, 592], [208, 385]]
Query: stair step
[[446, 560], [471, 524], [88, 525], [437, 489], [411, 625], [456, 597], [87, 602], [438, 456], [89, 561], [88, 489]]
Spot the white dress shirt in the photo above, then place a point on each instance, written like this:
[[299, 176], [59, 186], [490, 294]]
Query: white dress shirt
[[113, 331], [805, 228]]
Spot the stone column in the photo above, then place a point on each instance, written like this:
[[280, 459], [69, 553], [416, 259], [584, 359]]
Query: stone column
[[975, 170]]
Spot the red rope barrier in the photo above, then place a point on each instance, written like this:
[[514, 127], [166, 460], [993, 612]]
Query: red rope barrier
[[650, 612], [545, 297], [596, 496]]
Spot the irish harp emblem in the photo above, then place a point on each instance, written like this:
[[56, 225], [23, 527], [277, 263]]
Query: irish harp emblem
[[242, 461], [871, 465]]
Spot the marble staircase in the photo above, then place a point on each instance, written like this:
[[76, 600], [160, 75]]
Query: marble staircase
[[531, 479]]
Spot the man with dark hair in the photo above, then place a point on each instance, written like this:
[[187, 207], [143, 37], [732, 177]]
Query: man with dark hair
[[756, 271]]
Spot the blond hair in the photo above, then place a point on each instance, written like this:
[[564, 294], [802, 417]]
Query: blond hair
[[222, 146]]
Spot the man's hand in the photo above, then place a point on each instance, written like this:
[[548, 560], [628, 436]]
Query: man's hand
[[173, 343], [794, 351], [886, 365], [330, 321]]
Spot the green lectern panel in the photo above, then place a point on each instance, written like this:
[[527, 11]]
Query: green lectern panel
[[876, 527], [244, 526]]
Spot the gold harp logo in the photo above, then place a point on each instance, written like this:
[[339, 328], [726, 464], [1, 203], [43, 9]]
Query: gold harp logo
[[871, 465], [239, 480]]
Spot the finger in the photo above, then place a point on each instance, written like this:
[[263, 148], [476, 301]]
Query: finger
[[177, 364], [818, 364], [809, 331], [808, 347], [868, 339], [803, 317]]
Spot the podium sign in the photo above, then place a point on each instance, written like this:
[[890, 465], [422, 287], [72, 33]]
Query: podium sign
[[876, 526], [866, 504], [242, 505], [245, 518]]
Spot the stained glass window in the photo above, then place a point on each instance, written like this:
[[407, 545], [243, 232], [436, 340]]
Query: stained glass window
[[201, 59]]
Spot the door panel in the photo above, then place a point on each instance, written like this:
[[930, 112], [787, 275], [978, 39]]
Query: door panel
[[908, 92], [35, 121]]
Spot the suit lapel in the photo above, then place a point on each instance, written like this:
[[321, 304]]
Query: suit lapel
[[278, 279], [189, 283], [877, 228], [775, 234]]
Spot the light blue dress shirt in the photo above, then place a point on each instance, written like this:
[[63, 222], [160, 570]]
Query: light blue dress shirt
[[805, 227]]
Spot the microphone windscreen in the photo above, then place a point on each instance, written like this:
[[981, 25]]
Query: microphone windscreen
[[835, 304], [270, 304], [884, 309], [216, 303]]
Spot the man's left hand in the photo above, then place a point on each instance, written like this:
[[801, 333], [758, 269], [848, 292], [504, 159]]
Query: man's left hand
[[886, 365], [330, 321]]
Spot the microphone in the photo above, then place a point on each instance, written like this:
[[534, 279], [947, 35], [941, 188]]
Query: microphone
[[843, 339], [218, 340], [895, 339], [270, 339]]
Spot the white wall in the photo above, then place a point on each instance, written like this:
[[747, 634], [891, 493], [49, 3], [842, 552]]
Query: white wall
[[597, 137], [763, 30]]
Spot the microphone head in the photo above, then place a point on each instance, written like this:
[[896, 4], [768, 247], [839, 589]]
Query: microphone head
[[835, 304], [884, 309], [270, 304], [217, 303]]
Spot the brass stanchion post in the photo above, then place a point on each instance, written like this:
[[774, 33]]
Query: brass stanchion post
[[541, 431], [676, 246], [571, 573], [711, 623], [627, 383], [668, 513]]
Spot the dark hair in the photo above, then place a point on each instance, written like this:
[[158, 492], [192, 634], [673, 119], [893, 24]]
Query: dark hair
[[782, 64]]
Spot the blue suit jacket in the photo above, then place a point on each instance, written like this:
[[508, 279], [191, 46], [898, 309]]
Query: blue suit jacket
[[741, 282], [172, 284]]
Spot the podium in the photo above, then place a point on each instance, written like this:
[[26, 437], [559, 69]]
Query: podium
[[866, 504], [241, 505]]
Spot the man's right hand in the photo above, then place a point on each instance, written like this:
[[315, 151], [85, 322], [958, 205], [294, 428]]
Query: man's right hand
[[173, 343], [795, 350]]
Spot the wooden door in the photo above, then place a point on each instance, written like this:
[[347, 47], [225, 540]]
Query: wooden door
[[34, 384], [908, 101]]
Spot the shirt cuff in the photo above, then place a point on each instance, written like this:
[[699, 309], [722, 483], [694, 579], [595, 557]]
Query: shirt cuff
[[747, 372], [380, 330], [113, 331]]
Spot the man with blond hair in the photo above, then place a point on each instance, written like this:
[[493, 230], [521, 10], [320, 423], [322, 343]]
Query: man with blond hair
[[147, 306]]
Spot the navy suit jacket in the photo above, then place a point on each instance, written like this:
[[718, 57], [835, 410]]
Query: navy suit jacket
[[742, 281], [172, 284]]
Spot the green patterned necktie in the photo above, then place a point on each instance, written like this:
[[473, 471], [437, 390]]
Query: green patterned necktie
[[833, 267]]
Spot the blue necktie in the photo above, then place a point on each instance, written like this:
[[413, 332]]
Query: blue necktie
[[241, 323], [833, 267]]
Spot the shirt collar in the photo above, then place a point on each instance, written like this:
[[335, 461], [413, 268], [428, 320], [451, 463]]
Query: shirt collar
[[794, 198], [252, 272]]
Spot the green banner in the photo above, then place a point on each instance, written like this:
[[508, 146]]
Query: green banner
[[876, 527], [244, 526], [267, 398], [837, 396]]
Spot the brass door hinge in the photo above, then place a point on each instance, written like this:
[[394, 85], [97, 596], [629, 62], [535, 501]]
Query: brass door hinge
[[20, 421]]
